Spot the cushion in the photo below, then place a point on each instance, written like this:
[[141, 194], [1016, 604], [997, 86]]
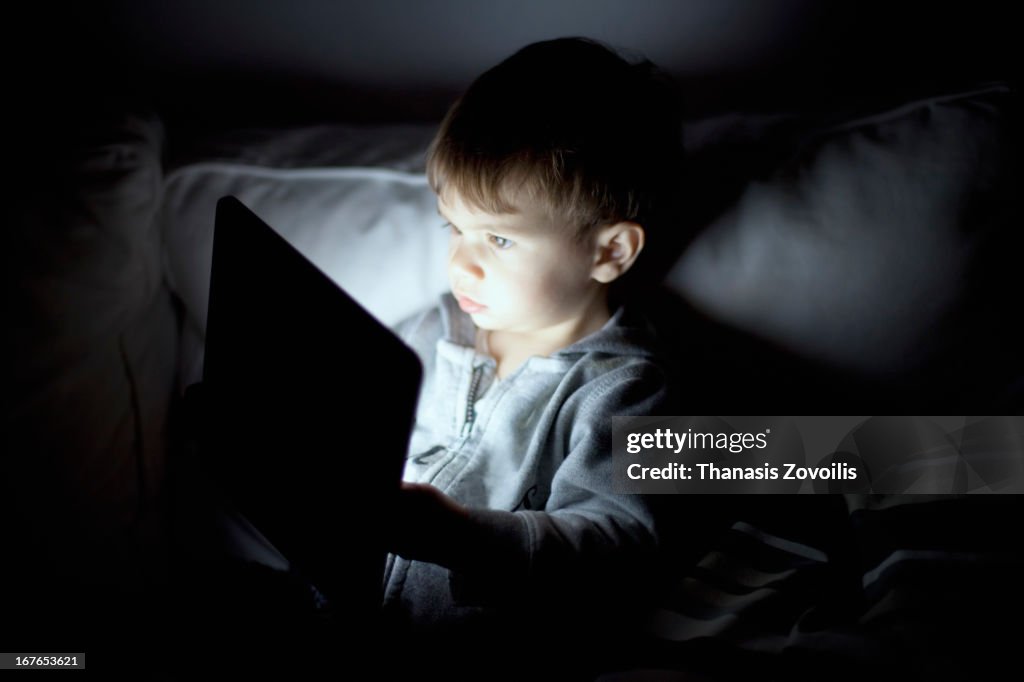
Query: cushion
[[867, 249], [94, 342], [365, 216]]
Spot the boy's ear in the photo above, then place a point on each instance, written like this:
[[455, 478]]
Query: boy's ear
[[618, 246]]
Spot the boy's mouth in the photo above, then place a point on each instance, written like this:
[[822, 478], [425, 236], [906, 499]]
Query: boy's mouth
[[468, 305]]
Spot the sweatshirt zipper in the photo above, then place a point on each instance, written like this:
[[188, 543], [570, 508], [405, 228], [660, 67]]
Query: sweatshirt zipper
[[474, 386], [467, 426]]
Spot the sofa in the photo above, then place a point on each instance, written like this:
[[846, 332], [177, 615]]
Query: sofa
[[858, 260]]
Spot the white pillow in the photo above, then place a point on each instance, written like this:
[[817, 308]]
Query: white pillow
[[374, 231]]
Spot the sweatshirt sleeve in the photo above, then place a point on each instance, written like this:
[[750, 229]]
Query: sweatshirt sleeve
[[587, 537]]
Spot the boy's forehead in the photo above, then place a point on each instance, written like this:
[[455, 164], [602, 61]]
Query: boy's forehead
[[526, 217]]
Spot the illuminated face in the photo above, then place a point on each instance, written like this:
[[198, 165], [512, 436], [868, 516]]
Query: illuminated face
[[521, 272]]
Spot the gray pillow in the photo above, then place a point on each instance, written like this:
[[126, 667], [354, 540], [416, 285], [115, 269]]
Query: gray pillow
[[870, 248]]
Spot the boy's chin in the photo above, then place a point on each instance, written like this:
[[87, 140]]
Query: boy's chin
[[484, 321]]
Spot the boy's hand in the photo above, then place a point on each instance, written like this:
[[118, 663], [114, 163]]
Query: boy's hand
[[429, 526]]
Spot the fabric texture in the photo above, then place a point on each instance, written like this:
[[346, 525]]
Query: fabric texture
[[933, 571], [93, 346], [840, 587], [531, 455], [868, 247]]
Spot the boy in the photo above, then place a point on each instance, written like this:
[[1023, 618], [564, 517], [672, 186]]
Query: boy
[[552, 173]]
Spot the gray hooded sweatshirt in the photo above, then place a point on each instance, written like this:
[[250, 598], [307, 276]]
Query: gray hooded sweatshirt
[[530, 455]]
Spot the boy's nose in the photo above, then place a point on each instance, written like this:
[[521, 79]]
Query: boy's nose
[[462, 262]]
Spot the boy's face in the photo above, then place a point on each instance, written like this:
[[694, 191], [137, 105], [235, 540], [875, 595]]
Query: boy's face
[[520, 272]]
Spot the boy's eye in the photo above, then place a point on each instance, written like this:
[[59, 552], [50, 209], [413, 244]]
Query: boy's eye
[[451, 228], [500, 242]]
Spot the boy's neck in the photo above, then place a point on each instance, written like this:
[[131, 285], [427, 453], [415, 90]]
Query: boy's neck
[[511, 349]]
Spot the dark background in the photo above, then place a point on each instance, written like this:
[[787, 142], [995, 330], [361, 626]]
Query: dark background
[[267, 60]]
